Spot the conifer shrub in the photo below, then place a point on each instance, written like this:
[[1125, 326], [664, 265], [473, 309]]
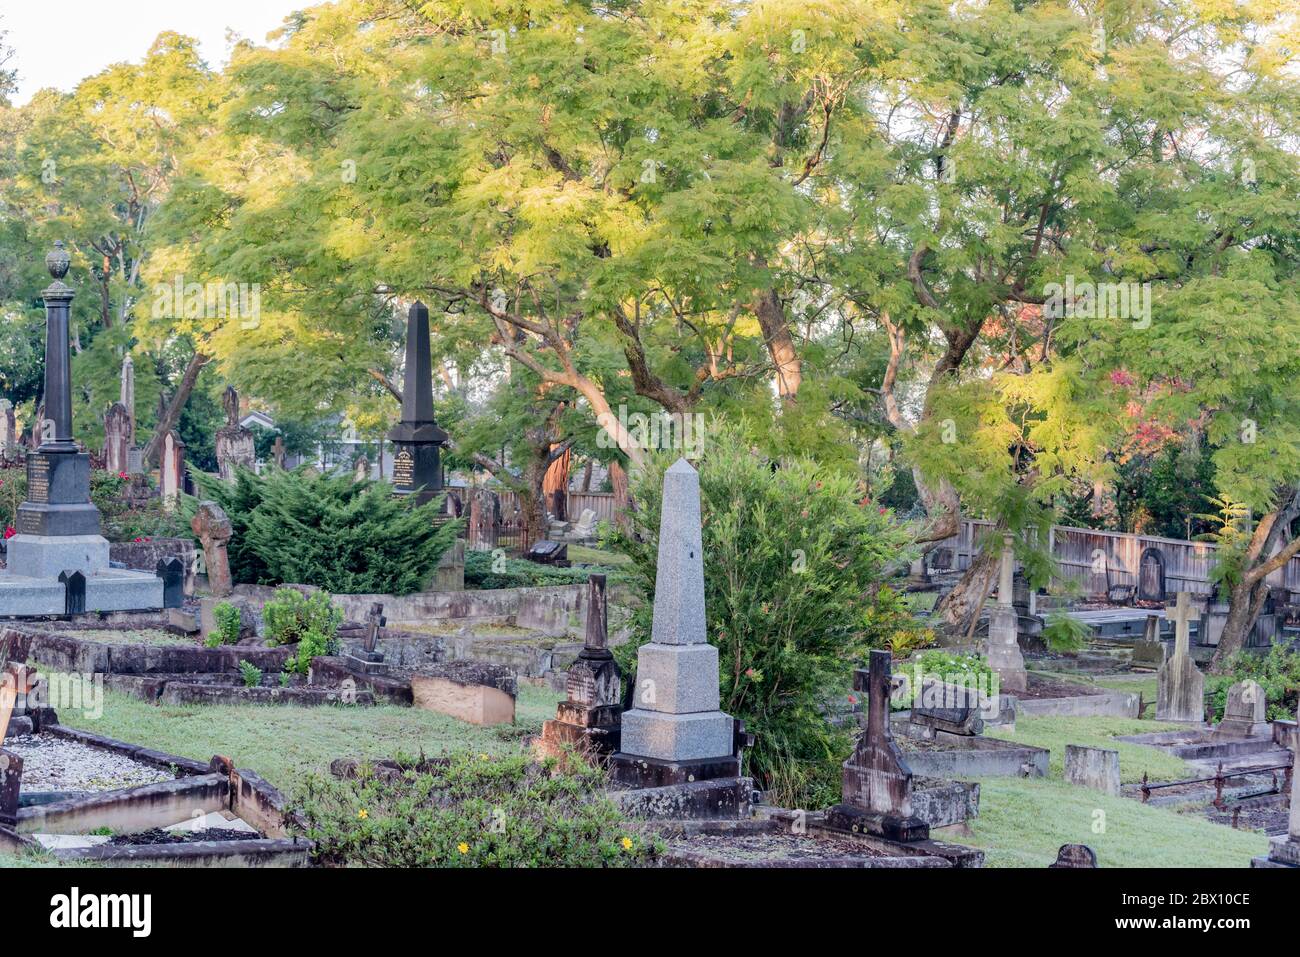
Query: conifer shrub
[[348, 537]]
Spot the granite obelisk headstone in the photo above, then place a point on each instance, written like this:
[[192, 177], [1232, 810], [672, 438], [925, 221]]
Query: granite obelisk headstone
[[675, 731], [1004, 655], [417, 463], [1180, 685], [58, 538]]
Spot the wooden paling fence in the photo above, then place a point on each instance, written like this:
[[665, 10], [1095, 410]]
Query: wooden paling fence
[[1097, 560]]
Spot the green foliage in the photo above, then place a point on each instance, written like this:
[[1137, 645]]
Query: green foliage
[[229, 621], [1063, 633], [312, 645], [488, 570], [472, 811], [251, 674], [792, 558], [290, 615], [349, 537], [967, 671], [1277, 672]]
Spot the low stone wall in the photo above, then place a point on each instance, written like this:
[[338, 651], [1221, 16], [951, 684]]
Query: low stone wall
[[71, 653], [963, 757]]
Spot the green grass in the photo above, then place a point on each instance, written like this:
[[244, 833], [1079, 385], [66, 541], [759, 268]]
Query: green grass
[[596, 556], [1055, 733], [285, 743], [1132, 683], [1024, 821]]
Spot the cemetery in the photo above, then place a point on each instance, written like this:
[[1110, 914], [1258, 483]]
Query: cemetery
[[506, 454]]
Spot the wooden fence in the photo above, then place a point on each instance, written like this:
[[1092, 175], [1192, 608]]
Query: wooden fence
[[1097, 560], [602, 503]]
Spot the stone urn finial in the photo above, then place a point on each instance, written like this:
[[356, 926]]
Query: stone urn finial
[[58, 260]]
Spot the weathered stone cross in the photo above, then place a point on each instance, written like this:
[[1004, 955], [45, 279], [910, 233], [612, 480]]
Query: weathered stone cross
[[1182, 625]]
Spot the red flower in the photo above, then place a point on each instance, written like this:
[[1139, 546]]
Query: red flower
[[9, 531], [122, 475], [853, 699]]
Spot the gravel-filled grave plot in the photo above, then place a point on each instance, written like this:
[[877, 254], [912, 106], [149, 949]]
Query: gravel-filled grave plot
[[57, 764]]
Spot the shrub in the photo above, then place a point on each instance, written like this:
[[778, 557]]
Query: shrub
[[349, 537], [313, 645], [290, 615], [251, 673], [1063, 633], [469, 811], [229, 624], [120, 523], [967, 671], [792, 558], [493, 570]]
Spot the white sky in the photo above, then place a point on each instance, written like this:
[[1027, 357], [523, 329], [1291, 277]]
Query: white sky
[[61, 42]]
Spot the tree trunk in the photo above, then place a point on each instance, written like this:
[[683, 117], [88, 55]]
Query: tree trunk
[[172, 413], [1246, 601], [622, 506], [957, 613], [780, 344]]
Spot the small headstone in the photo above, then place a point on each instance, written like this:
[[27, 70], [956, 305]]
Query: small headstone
[[484, 519], [1181, 686], [277, 452], [1075, 855], [117, 438], [1149, 650], [74, 583], [370, 659], [171, 477], [235, 445], [361, 469], [1246, 711], [1096, 768], [586, 527], [8, 430], [214, 531], [172, 571], [547, 552], [951, 708]]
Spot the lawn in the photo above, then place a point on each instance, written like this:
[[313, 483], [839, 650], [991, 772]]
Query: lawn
[[1055, 733], [285, 743], [1024, 821], [596, 556]]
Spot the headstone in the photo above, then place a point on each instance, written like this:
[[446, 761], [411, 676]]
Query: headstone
[[277, 452], [417, 464], [1151, 576], [876, 793], [547, 552], [1181, 686], [675, 732], [1149, 650], [235, 446], [1284, 851], [1075, 856], [589, 717], [214, 530], [1096, 768], [172, 572], [1246, 711], [586, 527], [1004, 655], [8, 430], [950, 708], [127, 397], [171, 478], [117, 439], [484, 519], [369, 660], [75, 596], [361, 469]]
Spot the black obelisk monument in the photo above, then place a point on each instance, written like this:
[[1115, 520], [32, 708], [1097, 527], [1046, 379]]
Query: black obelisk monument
[[417, 464]]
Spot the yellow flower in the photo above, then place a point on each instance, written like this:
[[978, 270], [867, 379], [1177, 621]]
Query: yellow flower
[[627, 843], [482, 757], [363, 814], [463, 847]]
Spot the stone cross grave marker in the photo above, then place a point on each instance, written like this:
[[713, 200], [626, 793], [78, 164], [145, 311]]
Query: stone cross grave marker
[[675, 731], [876, 793], [235, 446], [589, 717], [117, 438], [1181, 686], [375, 620], [1004, 655], [14, 681]]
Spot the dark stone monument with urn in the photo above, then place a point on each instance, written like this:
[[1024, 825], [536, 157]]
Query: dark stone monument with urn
[[417, 461], [58, 527]]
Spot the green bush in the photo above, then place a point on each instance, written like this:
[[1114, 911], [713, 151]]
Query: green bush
[[229, 622], [312, 646], [120, 523], [1277, 672], [793, 556], [290, 615], [494, 570], [350, 537], [469, 811], [966, 671], [252, 674], [1064, 633]]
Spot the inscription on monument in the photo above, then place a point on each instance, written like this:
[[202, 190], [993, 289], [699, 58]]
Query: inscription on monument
[[403, 469], [38, 479], [29, 523]]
